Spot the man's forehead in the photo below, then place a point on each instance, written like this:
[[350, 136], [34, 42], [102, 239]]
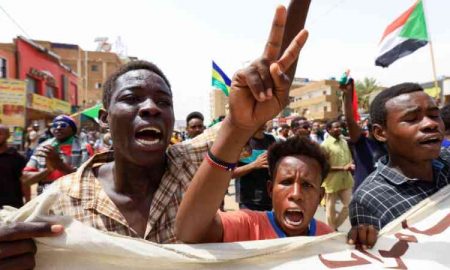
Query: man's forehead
[[137, 75], [142, 78], [408, 100]]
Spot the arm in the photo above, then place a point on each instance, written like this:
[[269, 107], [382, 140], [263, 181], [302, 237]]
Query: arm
[[295, 22], [29, 178], [252, 103], [353, 128], [259, 163]]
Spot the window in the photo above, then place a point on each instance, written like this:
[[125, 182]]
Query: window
[[3, 66], [94, 67], [98, 85], [64, 87], [50, 91], [32, 85]]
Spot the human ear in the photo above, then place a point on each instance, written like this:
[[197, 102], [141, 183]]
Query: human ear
[[379, 133], [103, 118], [270, 188], [322, 193]]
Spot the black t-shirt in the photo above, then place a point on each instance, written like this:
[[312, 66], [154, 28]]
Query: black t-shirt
[[11, 165], [366, 152], [253, 186]]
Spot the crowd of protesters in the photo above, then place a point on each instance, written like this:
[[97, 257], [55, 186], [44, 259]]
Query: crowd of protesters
[[158, 187]]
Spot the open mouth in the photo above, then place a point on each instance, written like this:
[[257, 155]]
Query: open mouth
[[293, 217], [149, 136], [431, 141]]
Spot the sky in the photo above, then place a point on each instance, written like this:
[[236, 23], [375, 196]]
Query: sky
[[183, 37]]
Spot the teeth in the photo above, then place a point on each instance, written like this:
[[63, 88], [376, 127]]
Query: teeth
[[157, 130], [148, 142], [291, 222]]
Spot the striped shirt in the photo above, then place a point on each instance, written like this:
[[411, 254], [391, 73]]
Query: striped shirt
[[386, 193]]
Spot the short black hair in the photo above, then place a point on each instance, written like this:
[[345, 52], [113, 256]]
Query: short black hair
[[296, 120], [194, 115], [445, 115], [330, 123], [297, 146], [108, 86], [378, 110]]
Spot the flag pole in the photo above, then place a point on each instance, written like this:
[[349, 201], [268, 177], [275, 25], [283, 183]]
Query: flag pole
[[433, 62]]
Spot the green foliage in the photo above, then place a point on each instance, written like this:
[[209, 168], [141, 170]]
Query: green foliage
[[364, 88]]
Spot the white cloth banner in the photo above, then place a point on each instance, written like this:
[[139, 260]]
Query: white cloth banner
[[420, 239]]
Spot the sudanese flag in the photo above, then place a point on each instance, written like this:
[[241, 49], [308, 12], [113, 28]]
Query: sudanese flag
[[403, 36]]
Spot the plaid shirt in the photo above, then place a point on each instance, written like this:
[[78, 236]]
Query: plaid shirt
[[83, 198], [386, 193]]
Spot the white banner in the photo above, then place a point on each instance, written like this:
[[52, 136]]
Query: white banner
[[420, 239]]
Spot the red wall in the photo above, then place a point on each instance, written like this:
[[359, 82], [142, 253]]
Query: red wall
[[30, 57]]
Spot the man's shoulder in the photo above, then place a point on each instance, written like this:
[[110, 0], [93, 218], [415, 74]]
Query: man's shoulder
[[371, 186]]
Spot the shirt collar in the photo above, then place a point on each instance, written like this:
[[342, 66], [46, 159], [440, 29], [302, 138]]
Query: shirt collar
[[280, 233], [397, 178]]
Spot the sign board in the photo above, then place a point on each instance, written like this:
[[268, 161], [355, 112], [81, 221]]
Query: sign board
[[41, 103], [12, 102], [60, 106]]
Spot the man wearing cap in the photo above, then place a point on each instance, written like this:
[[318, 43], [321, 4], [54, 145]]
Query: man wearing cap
[[57, 156]]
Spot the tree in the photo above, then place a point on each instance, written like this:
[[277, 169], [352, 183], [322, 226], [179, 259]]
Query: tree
[[364, 88]]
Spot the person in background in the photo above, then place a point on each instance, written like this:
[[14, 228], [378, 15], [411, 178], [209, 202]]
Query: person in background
[[48, 134], [194, 124], [445, 115], [316, 133], [339, 182], [11, 165], [300, 126], [284, 132], [252, 173], [57, 156], [32, 140], [366, 150]]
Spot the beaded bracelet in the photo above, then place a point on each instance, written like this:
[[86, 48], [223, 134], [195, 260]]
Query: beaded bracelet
[[220, 164]]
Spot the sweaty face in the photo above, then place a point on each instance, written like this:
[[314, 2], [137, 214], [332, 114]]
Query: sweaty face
[[140, 117], [296, 192], [414, 128], [195, 127]]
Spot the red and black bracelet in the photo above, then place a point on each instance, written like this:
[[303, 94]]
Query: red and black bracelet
[[220, 164]]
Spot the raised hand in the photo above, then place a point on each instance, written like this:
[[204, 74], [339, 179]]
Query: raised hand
[[260, 91]]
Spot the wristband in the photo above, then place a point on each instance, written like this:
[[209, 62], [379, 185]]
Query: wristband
[[220, 164]]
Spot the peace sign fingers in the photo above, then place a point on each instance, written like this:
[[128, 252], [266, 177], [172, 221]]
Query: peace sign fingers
[[273, 45]]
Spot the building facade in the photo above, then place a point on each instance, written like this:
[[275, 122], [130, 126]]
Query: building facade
[[92, 67], [318, 100], [218, 102]]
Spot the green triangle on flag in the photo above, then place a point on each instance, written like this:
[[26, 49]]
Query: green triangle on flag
[[92, 112], [416, 27]]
